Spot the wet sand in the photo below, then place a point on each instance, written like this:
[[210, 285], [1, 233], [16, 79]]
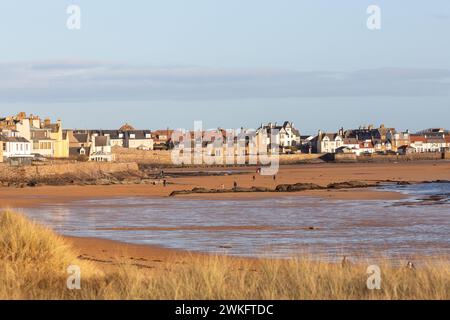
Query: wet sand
[[111, 253], [322, 174]]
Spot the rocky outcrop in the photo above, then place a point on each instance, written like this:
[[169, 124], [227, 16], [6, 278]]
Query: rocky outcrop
[[234, 190], [296, 187], [350, 185]]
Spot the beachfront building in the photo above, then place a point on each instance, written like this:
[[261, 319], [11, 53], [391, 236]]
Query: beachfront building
[[61, 141], [352, 144], [381, 138], [366, 147], [126, 137], [14, 147], [287, 136], [307, 144], [47, 138], [43, 144], [328, 142], [162, 139], [100, 149], [138, 139], [424, 143], [399, 139], [79, 144], [116, 137]]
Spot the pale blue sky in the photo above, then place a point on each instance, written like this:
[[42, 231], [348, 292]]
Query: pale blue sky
[[228, 63]]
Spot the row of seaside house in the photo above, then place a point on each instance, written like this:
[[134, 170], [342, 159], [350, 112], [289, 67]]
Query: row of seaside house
[[24, 138], [382, 140]]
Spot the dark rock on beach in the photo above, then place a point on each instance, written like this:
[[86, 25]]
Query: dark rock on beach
[[350, 185], [297, 187]]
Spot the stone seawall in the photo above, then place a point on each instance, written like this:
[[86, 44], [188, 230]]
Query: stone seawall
[[163, 158], [391, 158], [62, 173]]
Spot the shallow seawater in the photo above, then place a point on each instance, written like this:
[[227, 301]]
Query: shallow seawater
[[275, 227]]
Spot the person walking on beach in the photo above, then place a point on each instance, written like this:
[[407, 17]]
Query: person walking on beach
[[254, 178], [234, 185], [274, 177], [164, 182]]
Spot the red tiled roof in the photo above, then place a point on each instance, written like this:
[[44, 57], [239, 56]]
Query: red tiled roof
[[418, 139]]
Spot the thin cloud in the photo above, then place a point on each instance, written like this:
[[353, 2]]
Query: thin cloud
[[77, 81]]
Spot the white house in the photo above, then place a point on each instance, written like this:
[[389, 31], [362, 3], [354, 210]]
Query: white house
[[287, 136], [366, 147], [14, 146], [329, 142], [138, 139], [100, 149], [424, 143]]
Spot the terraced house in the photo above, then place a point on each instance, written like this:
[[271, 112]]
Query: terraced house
[[287, 136], [14, 148], [47, 138], [329, 142]]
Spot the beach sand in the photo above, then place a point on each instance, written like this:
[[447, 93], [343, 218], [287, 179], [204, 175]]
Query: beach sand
[[322, 174], [107, 253]]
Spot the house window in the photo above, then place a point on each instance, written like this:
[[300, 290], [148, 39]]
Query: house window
[[132, 136]]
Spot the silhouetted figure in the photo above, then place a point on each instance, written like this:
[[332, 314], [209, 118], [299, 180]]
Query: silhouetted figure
[[164, 182], [345, 262], [410, 265], [274, 177], [234, 185], [254, 178]]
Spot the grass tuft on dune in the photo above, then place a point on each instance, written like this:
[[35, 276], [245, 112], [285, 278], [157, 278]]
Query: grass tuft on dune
[[34, 261]]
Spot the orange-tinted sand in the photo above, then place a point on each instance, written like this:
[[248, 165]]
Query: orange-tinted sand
[[322, 174], [111, 253], [108, 254]]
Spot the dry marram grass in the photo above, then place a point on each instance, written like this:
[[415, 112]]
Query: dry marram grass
[[33, 264]]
